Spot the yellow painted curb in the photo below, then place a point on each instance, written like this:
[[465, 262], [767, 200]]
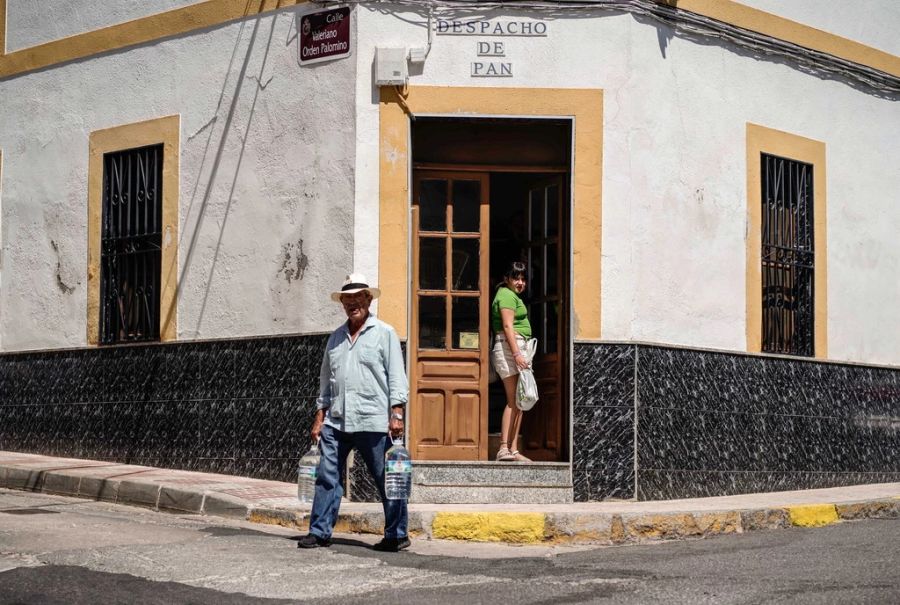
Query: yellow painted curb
[[519, 528], [292, 522], [813, 515]]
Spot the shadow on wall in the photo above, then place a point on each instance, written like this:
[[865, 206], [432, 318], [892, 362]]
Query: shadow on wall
[[203, 188]]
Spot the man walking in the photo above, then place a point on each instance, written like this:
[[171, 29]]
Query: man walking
[[362, 397]]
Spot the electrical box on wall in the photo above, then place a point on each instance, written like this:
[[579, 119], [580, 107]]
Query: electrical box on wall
[[390, 67]]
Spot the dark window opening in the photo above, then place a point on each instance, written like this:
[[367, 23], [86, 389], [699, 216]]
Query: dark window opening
[[131, 245], [788, 256]]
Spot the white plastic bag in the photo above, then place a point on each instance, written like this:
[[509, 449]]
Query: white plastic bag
[[526, 390], [526, 387]]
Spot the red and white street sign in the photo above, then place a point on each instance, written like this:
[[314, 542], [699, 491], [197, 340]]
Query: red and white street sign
[[325, 35]]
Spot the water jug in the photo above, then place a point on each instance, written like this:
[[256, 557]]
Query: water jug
[[306, 475], [397, 471]]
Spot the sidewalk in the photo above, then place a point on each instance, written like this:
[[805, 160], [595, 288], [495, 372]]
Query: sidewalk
[[273, 502]]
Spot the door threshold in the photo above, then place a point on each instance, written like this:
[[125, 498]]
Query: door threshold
[[489, 463]]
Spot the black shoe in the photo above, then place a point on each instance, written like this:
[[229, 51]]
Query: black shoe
[[393, 544], [313, 541]]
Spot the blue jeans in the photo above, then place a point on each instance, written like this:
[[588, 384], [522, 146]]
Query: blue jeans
[[334, 447]]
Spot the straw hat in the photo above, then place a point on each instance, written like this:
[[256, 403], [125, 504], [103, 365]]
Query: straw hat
[[355, 282]]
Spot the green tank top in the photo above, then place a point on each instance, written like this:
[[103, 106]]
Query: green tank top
[[507, 299]]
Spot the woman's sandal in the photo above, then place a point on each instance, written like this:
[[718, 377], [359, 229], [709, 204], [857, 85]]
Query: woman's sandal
[[516, 456], [504, 455]]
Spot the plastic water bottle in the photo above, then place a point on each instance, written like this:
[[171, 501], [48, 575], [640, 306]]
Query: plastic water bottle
[[397, 471], [306, 475]]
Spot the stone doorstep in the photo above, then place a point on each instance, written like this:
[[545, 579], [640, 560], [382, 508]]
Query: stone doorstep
[[493, 475], [484, 494]]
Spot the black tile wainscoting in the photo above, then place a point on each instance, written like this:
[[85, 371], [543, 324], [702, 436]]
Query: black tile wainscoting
[[649, 422], [655, 422], [239, 407]]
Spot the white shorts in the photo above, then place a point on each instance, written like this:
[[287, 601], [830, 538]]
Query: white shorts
[[502, 357]]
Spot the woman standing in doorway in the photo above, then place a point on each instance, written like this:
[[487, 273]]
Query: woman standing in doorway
[[509, 320]]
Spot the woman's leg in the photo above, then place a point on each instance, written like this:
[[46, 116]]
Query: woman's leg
[[509, 425], [515, 428]]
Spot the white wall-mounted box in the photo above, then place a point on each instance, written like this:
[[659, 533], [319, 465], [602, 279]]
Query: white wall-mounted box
[[390, 67]]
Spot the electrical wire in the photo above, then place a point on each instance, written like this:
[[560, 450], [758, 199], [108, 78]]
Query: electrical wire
[[684, 23]]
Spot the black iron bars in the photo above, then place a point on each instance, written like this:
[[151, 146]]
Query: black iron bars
[[788, 257], [131, 245]]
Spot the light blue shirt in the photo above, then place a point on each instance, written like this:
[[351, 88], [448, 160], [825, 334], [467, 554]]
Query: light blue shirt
[[360, 381]]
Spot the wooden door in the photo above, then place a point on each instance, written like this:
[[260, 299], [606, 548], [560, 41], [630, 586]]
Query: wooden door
[[449, 309], [542, 427]]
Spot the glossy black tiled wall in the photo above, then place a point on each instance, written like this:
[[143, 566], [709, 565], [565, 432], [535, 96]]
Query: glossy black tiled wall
[[711, 423], [654, 422], [239, 407], [603, 422]]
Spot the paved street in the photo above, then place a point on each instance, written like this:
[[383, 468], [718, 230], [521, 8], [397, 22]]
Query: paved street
[[63, 550]]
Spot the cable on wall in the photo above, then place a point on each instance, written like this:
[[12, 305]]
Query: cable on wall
[[684, 24]]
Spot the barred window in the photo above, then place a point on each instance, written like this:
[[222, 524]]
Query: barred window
[[131, 252], [788, 271]]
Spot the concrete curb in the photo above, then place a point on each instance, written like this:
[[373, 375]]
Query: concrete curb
[[593, 528], [273, 503]]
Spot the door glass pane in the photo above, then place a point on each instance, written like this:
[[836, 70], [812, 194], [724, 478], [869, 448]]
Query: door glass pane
[[432, 322], [432, 263], [552, 210], [536, 217], [433, 205], [536, 277], [465, 322], [466, 205], [465, 264], [536, 319], [550, 341], [552, 272]]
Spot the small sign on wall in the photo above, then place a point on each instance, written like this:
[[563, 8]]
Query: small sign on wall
[[468, 340], [325, 35]]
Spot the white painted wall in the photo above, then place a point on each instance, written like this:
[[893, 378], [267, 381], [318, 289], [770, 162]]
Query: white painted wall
[[33, 22], [266, 166], [871, 22], [674, 183], [267, 150]]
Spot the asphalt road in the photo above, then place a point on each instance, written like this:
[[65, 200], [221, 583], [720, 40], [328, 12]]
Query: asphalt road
[[62, 550]]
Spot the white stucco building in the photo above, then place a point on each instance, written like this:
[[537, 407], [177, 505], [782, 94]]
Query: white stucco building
[[707, 185]]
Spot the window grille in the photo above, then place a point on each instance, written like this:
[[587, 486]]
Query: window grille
[[788, 255], [131, 251]]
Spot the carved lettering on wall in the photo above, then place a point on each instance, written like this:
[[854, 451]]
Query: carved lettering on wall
[[488, 51]]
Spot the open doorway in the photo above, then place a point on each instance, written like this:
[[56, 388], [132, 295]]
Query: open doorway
[[487, 192], [527, 213]]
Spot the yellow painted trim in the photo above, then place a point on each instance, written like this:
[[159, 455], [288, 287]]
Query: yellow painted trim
[[518, 528], [138, 31], [775, 142], [166, 130], [737, 14], [215, 12], [812, 515], [585, 105]]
